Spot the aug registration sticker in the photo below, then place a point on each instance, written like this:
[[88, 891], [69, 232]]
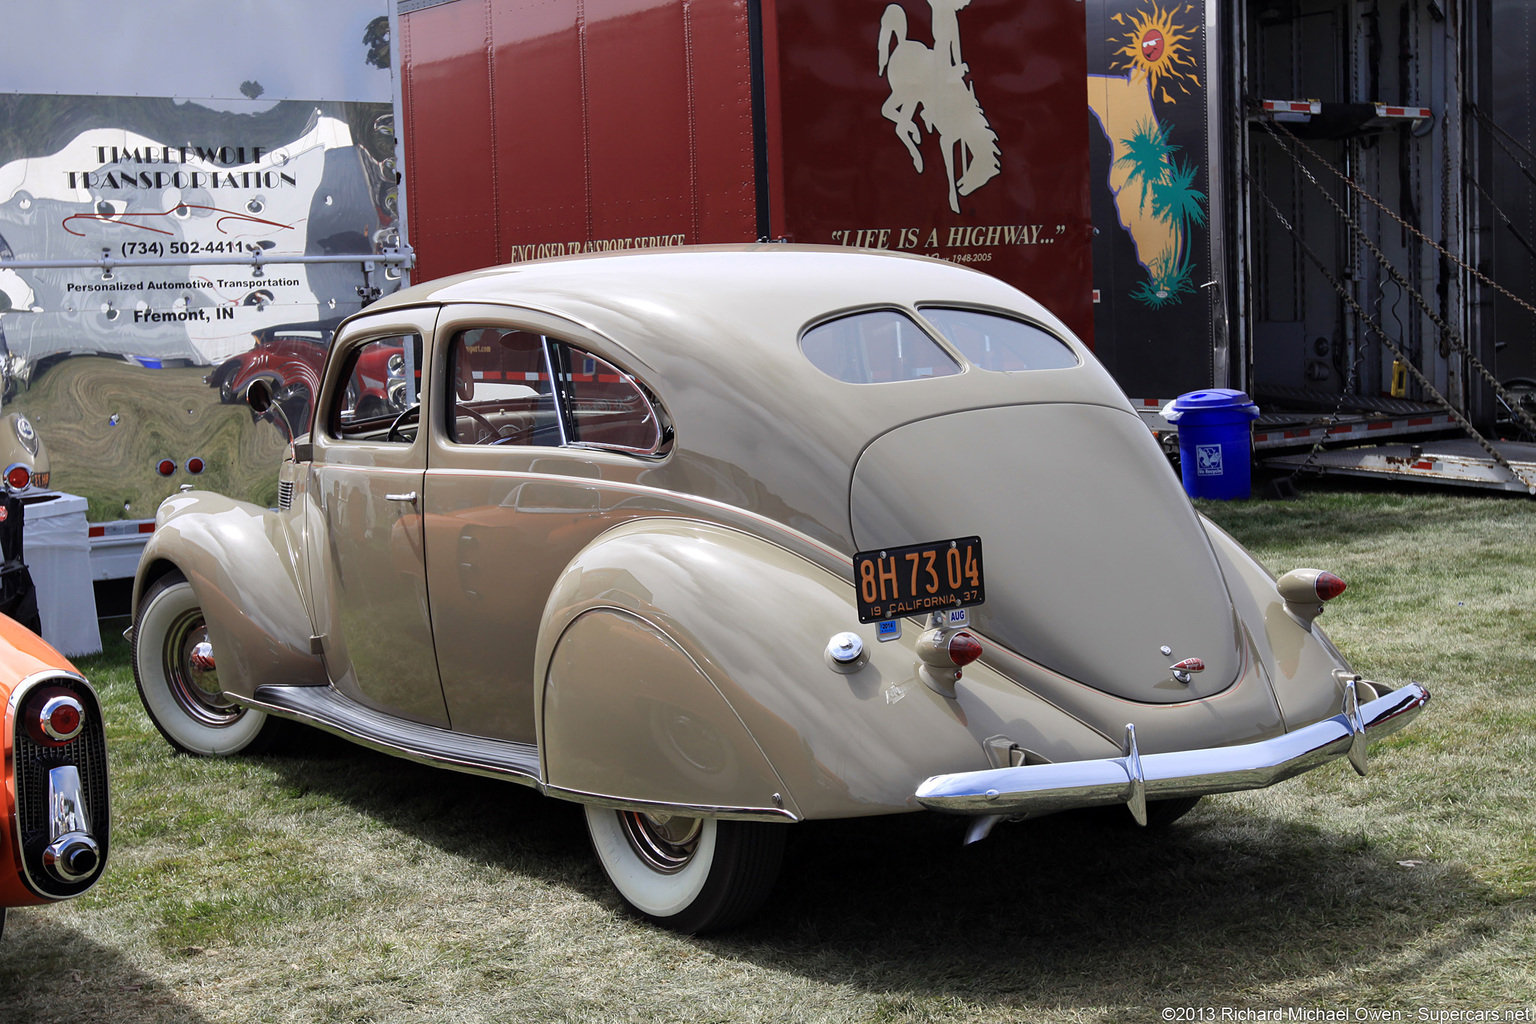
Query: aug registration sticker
[[919, 578]]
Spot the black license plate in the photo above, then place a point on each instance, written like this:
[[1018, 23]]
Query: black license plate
[[918, 578]]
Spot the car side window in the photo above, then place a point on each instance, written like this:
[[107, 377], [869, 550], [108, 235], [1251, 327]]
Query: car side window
[[995, 342], [876, 347], [500, 390], [381, 379], [604, 406], [513, 387]]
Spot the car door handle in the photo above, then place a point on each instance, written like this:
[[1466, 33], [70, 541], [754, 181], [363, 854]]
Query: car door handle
[[409, 496]]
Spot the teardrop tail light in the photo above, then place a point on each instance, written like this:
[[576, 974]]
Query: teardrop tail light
[[1305, 591]]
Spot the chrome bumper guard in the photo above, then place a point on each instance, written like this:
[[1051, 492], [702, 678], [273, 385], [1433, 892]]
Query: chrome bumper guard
[[1136, 778]]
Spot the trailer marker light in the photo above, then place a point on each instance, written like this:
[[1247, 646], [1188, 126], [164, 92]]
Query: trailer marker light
[[165, 467], [17, 477], [194, 465]]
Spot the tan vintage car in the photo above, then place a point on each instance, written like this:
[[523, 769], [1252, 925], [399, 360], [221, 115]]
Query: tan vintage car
[[716, 540]]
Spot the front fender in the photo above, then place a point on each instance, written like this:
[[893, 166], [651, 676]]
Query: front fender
[[247, 569], [722, 634]]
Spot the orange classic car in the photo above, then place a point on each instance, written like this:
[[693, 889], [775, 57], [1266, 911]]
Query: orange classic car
[[54, 832]]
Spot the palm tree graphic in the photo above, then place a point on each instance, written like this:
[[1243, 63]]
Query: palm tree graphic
[[1169, 186]]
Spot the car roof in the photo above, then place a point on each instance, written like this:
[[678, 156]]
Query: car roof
[[715, 332], [733, 308]]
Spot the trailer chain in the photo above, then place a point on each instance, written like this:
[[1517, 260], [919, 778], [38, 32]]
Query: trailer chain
[[1490, 282], [1502, 215], [1497, 141], [1447, 331], [1333, 417], [1397, 351]]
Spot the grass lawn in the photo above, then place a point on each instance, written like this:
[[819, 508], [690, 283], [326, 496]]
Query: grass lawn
[[333, 884]]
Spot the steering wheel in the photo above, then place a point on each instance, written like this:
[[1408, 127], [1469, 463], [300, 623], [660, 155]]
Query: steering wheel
[[518, 436], [396, 428], [490, 433]]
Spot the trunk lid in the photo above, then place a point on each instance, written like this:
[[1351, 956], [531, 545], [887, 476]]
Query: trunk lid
[[1094, 559]]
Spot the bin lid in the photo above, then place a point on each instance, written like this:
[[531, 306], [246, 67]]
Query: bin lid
[[1210, 400]]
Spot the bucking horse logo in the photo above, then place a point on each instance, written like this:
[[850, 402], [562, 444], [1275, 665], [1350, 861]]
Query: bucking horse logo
[[933, 81]]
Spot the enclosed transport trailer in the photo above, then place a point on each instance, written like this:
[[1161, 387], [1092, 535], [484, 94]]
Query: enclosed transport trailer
[[1296, 200], [946, 129], [1281, 198]]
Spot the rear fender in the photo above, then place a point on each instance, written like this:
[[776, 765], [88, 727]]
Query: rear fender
[[1302, 665], [247, 569], [674, 641]]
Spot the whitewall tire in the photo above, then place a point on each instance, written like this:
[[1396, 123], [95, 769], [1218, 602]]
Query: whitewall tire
[[184, 700], [689, 874]]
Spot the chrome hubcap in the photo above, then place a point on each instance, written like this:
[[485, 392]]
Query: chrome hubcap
[[666, 842], [195, 688]]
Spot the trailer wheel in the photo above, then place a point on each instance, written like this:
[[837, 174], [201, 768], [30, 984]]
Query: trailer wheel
[[183, 699]]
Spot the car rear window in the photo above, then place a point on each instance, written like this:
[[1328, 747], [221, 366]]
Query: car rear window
[[994, 342], [605, 407], [516, 387], [876, 347]]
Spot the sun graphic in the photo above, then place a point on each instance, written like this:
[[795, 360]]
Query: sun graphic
[[1157, 47]]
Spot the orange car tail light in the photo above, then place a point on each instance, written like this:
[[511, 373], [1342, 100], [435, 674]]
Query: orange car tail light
[[53, 717]]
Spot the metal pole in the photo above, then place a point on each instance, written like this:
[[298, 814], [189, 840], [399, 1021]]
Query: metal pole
[[106, 264]]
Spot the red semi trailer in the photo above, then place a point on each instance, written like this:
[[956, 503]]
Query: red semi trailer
[[950, 128]]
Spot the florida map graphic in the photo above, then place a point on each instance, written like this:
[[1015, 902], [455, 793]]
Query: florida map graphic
[[1152, 184]]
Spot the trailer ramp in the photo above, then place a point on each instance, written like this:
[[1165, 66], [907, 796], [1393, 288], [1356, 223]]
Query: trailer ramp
[[1459, 462]]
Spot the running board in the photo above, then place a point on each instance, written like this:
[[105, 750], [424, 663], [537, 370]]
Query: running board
[[324, 708]]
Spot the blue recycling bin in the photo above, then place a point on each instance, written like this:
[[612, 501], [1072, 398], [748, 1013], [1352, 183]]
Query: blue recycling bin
[[1215, 442]]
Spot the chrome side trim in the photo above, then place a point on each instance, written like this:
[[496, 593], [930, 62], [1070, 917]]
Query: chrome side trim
[[698, 810], [325, 708], [1044, 788]]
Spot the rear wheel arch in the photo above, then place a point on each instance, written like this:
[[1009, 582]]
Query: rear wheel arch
[[656, 731]]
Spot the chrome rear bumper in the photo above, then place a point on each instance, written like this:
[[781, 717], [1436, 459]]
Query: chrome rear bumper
[[1136, 778]]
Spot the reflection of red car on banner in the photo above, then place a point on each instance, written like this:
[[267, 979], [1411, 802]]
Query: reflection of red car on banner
[[291, 356]]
